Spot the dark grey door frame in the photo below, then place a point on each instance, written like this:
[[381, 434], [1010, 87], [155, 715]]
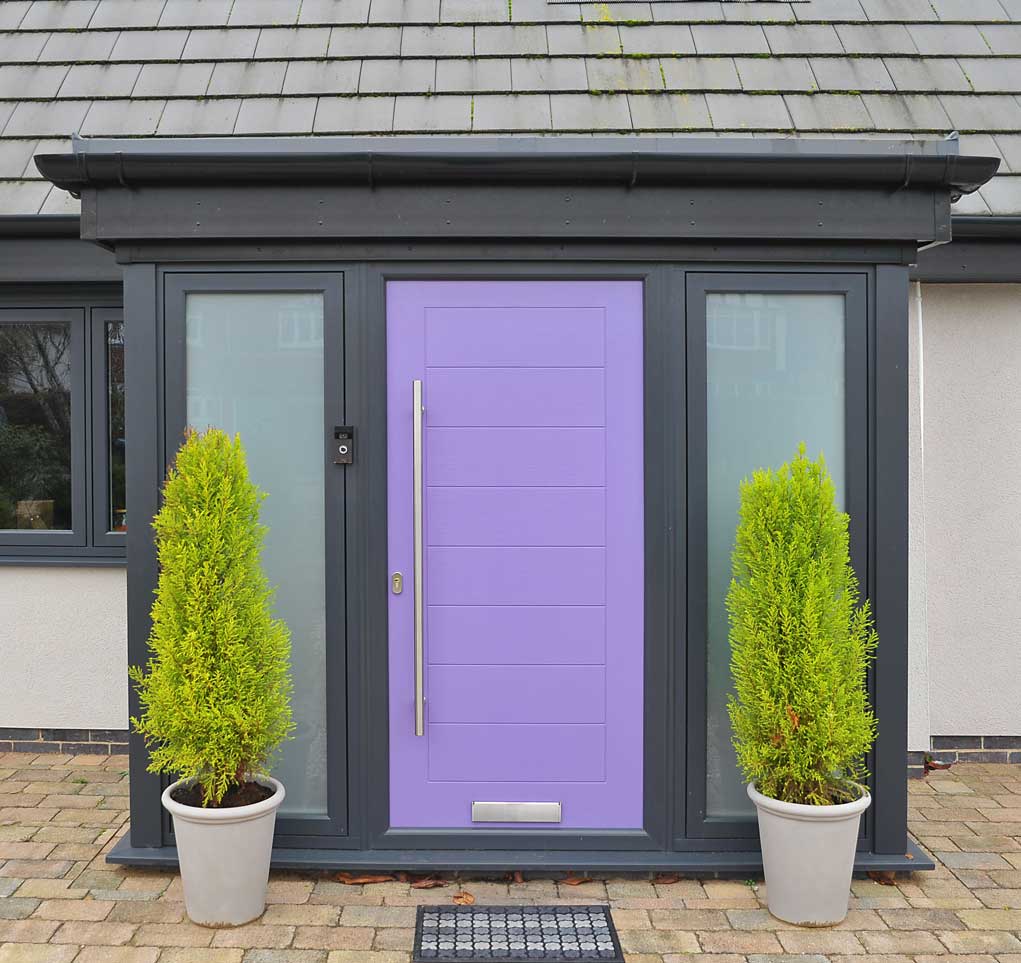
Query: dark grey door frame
[[853, 284], [291, 830]]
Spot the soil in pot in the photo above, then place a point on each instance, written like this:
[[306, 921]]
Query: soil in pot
[[246, 794]]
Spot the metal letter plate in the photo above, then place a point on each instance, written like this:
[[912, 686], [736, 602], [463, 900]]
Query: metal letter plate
[[515, 812]]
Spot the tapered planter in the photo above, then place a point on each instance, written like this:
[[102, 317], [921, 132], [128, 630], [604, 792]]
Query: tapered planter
[[808, 857], [224, 856]]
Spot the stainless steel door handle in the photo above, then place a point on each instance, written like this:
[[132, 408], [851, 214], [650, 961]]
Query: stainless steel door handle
[[417, 410]]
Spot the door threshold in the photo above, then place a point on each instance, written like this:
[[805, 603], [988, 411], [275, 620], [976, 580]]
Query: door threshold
[[712, 863]]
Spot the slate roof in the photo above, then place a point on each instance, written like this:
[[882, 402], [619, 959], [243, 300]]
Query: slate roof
[[821, 68]]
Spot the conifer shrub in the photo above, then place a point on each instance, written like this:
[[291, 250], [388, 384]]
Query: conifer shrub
[[801, 642], [215, 695]]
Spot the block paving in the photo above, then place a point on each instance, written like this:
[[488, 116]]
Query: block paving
[[60, 902]]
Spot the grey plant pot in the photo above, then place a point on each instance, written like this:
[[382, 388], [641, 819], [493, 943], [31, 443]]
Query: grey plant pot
[[808, 857], [224, 856]]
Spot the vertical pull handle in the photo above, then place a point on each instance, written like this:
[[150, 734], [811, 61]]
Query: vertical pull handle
[[417, 410]]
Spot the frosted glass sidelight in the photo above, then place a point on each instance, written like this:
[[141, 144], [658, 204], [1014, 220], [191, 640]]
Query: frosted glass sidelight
[[255, 367], [775, 377]]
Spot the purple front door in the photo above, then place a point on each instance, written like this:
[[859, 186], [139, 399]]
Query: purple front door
[[531, 491]]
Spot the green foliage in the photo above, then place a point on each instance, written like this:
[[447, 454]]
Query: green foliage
[[216, 694], [800, 641]]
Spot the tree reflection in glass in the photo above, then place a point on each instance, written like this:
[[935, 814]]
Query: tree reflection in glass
[[35, 426]]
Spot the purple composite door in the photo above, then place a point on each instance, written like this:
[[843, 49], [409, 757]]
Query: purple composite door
[[532, 553]]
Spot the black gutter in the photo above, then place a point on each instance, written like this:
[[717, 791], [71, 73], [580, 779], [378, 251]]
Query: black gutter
[[40, 225], [627, 162], [1004, 227]]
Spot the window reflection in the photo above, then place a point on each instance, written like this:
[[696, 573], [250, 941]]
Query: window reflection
[[117, 517], [35, 426]]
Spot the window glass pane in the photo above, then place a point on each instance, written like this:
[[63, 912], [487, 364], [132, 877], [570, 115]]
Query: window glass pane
[[255, 367], [117, 517], [35, 426], [775, 373]]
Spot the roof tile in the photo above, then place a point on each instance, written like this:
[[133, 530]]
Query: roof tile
[[829, 112], [908, 112], [738, 112], [437, 41], [970, 204], [983, 112], [115, 117], [469, 74], [758, 11], [775, 73], [669, 111], [691, 11], [245, 78], [21, 47], [835, 10], [542, 11], [60, 202], [495, 112], [322, 77], [700, 73], [22, 197], [173, 80], [989, 75], [590, 112], [541, 73], [982, 10], [929, 74], [576, 39], [71, 47], [184, 118], [263, 12], [984, 145], [354, 115], [1010, 150], [127, 13], [333, 11], [396, 77], [44, 118], [897, 11], [16, 157], [943, 39], [1003, 194], [42, 81], [58, 15], [517, 39], [149, 45], [404, 11], [618, 73], [365, 42], [729, 38], [670, 39], [293, 43], [197, 13], [474, 11], [276, 115], [851, 73], [891, 38], [99, 80], [12, 13], [1003, 38], [221, 44], [619, 11], [803, 39], [443, 112]]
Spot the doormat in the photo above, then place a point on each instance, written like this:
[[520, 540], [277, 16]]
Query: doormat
[[515, 934]]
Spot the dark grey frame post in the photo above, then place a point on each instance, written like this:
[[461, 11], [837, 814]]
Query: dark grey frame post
[[99, 413], [143, 372]]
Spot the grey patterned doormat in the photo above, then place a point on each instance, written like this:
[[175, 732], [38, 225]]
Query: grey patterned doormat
[[515, 934]]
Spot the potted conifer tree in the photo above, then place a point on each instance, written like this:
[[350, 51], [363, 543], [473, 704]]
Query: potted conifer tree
[[801, 643], [215, 696]]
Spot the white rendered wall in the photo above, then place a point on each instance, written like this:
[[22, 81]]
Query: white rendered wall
[[965, 598], [63, 647]]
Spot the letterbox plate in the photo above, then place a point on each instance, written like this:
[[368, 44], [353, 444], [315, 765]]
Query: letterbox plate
[[515, 812]]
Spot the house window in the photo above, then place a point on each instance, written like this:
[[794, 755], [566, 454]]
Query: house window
[[61, 381]]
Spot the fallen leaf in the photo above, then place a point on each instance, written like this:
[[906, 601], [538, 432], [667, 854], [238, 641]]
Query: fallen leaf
[[666, 879], [571, 880], [884, 877], [429, 882], [349, 880], [793, 716], [518, 876], [402, 877], [463, 898], [908, 856]]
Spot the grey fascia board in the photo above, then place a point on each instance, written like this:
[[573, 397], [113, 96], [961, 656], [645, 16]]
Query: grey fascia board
[[40, 225], [615, 161]]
